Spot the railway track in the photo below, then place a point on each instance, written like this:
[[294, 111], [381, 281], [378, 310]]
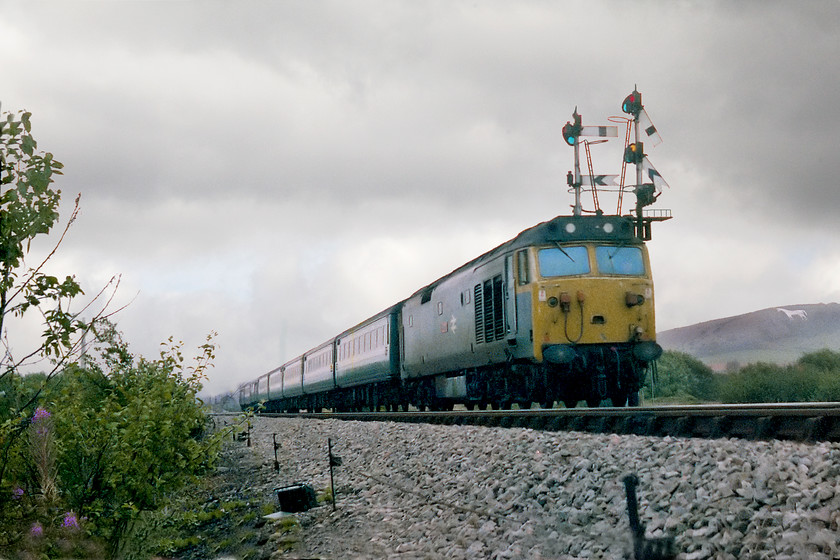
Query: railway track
[[786, 421]]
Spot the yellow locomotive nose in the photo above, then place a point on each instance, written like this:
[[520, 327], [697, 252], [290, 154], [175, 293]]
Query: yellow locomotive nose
[[593, 310]]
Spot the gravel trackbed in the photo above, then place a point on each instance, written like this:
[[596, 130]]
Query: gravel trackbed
[[407, 491]]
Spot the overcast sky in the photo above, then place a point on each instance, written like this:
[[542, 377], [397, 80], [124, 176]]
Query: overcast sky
[[279, 171]]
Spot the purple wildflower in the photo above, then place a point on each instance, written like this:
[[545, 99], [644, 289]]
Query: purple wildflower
[[37, 530], [18, 493], [70, 521], [40, 414]]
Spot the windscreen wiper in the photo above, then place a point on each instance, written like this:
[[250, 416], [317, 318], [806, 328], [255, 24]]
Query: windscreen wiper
[[562, 250]]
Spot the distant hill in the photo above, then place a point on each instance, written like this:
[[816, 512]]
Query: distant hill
[[778, 335]]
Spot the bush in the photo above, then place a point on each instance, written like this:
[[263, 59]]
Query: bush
[[826, 361], [764, 382], [814, 377], [681, 376], [83, 450], [143, 435], [112, 440]]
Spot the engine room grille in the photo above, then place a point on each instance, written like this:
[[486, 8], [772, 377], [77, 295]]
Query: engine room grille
[[489, 310]]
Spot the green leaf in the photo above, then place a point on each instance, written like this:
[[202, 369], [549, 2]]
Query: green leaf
[[28, 145]]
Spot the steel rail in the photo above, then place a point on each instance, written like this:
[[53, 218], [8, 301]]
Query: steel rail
[[788, 421]]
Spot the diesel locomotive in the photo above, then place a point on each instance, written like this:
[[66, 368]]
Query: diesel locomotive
[[562, 312]]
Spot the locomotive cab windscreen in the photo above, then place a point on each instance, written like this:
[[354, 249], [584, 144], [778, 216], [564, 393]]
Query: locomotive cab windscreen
[[610, 260], [588, 292]]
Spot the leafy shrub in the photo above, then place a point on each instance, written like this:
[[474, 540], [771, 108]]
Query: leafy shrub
[[109, 442], [814, 377], [31, 512], [681, 376], [84, 451], [763, 382], [142, 438], [826, 361]]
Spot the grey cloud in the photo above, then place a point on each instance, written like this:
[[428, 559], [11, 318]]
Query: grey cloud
[[267, 136]]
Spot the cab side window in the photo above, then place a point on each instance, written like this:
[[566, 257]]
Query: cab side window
[[522, 272]]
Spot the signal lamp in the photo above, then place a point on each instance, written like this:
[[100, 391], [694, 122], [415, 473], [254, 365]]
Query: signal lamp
[[632, 104], [572, 129], [571, 132], [646, 194], [634, 153]]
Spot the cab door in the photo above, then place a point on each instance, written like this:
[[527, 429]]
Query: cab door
[[510, 299]]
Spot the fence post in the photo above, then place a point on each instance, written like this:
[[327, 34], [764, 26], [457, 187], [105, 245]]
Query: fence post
[[335, 461]]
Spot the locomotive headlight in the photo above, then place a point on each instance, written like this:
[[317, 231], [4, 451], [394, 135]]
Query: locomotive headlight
[[631, 299]]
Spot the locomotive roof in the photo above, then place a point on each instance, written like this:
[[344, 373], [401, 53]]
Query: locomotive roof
[[561, 229]]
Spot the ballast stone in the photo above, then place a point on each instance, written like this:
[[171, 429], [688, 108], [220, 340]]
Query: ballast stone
[[554, 495]]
